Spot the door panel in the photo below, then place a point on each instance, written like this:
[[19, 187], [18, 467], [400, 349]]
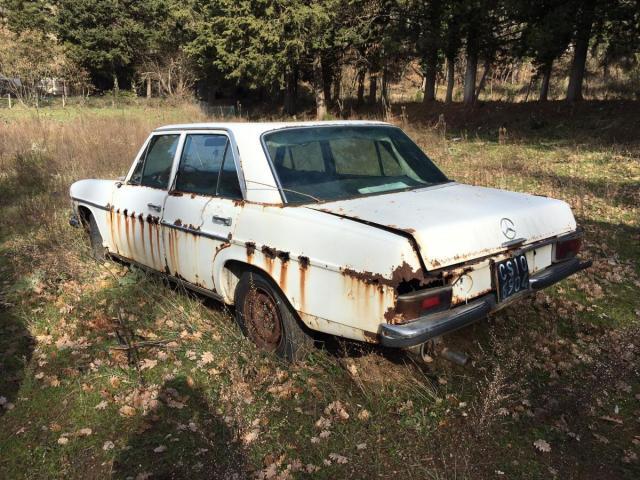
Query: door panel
[[193, 231], [134, 224], [134, 220], [200, 213]]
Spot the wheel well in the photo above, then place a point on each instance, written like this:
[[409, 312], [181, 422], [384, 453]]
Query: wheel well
[[231, 274], [233, 271], [85, 214]]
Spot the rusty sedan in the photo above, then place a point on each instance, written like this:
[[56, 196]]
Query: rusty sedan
[[345, 228]]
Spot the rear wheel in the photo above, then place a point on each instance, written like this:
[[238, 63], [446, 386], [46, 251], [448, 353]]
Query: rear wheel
[[97, 249], [267, 319]]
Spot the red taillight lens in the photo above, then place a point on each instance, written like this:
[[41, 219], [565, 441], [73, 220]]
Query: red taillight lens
[[430, 302], [566, 249], [416, 304]]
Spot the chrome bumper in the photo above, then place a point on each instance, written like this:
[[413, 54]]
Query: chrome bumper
[[436, 324]]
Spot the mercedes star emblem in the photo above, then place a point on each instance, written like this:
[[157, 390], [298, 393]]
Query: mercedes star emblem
[[508, 228]]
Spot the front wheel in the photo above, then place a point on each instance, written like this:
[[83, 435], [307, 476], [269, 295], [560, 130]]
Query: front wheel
[[267, 319]]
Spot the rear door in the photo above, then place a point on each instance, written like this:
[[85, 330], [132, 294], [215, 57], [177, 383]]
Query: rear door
[[202, 207], [138, 202]]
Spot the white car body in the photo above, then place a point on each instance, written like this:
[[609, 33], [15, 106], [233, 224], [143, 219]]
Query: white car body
[[339, 263]]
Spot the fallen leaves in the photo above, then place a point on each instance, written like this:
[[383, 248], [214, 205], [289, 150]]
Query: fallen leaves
[[364, 415], [250, 437], [148, 364], [127, 411], [337, 411], [205, 359], [542, 445]]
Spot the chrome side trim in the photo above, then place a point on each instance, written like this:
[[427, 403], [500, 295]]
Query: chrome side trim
[[195, 232], [86, 202]]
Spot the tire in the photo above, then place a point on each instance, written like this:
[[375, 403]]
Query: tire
[[98, 252], [265, 317]]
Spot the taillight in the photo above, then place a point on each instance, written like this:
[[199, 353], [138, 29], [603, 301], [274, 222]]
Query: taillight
[[422, 302], [566, 249]]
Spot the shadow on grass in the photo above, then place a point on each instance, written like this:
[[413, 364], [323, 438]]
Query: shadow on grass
[[588, 122], [187, 440], [16, 348], [16, 345]]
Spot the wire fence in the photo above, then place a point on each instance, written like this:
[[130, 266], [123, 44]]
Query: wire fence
[[7, 101]]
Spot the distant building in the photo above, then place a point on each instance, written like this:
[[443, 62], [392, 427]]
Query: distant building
[[8, 85]]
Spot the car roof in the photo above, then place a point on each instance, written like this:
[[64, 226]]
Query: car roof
[[258, 128]]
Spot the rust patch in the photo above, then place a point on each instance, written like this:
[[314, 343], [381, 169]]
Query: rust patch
[[238, 203], [176, 194], [284, 265], [283, 256], [222, 246], [269, 252], [302, 284], [251, 248], [178, 223], [304, 262], [144, 244], [151, 228], [370, 336]]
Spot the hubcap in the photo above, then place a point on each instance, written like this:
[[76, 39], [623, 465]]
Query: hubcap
[[262, 318]]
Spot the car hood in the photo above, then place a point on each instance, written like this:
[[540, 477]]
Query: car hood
[[453, 223]]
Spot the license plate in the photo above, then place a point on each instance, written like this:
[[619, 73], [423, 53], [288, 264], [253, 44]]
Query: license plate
[[512, 276]]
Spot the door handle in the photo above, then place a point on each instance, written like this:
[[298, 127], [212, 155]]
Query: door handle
[[152, 206], [221, 220]]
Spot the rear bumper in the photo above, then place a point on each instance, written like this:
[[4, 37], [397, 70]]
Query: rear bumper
[[434, 325]]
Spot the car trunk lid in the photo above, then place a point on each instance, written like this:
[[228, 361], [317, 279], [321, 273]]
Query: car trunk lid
[[452, 223]]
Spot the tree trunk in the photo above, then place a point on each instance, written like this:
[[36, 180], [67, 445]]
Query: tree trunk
[[148, 86], [361, 75], [337, 85], [451, 70], [483, 80], [385, 87], [291, 91], [546, 77], [431, 69], [470, 76], [327, 79], [373, 87], [576, 77], [318, 88]]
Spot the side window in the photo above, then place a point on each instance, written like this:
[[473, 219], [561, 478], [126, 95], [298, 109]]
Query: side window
[[228, 183], [207, 167], [200, 164], [158, 161]]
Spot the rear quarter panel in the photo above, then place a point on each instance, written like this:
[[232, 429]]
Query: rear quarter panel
[[338, 274]]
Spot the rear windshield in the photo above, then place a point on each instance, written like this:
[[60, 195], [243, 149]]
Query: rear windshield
[[332, 163]]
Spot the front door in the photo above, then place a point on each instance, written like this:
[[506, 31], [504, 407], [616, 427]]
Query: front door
[[138, 204], [201, 210]]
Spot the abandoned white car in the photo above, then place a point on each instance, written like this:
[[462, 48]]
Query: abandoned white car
[[345, 228]]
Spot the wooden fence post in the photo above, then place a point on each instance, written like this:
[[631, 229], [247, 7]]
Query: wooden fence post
[[9, 98]]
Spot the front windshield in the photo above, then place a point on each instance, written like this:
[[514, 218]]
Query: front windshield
[[337, 162]]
